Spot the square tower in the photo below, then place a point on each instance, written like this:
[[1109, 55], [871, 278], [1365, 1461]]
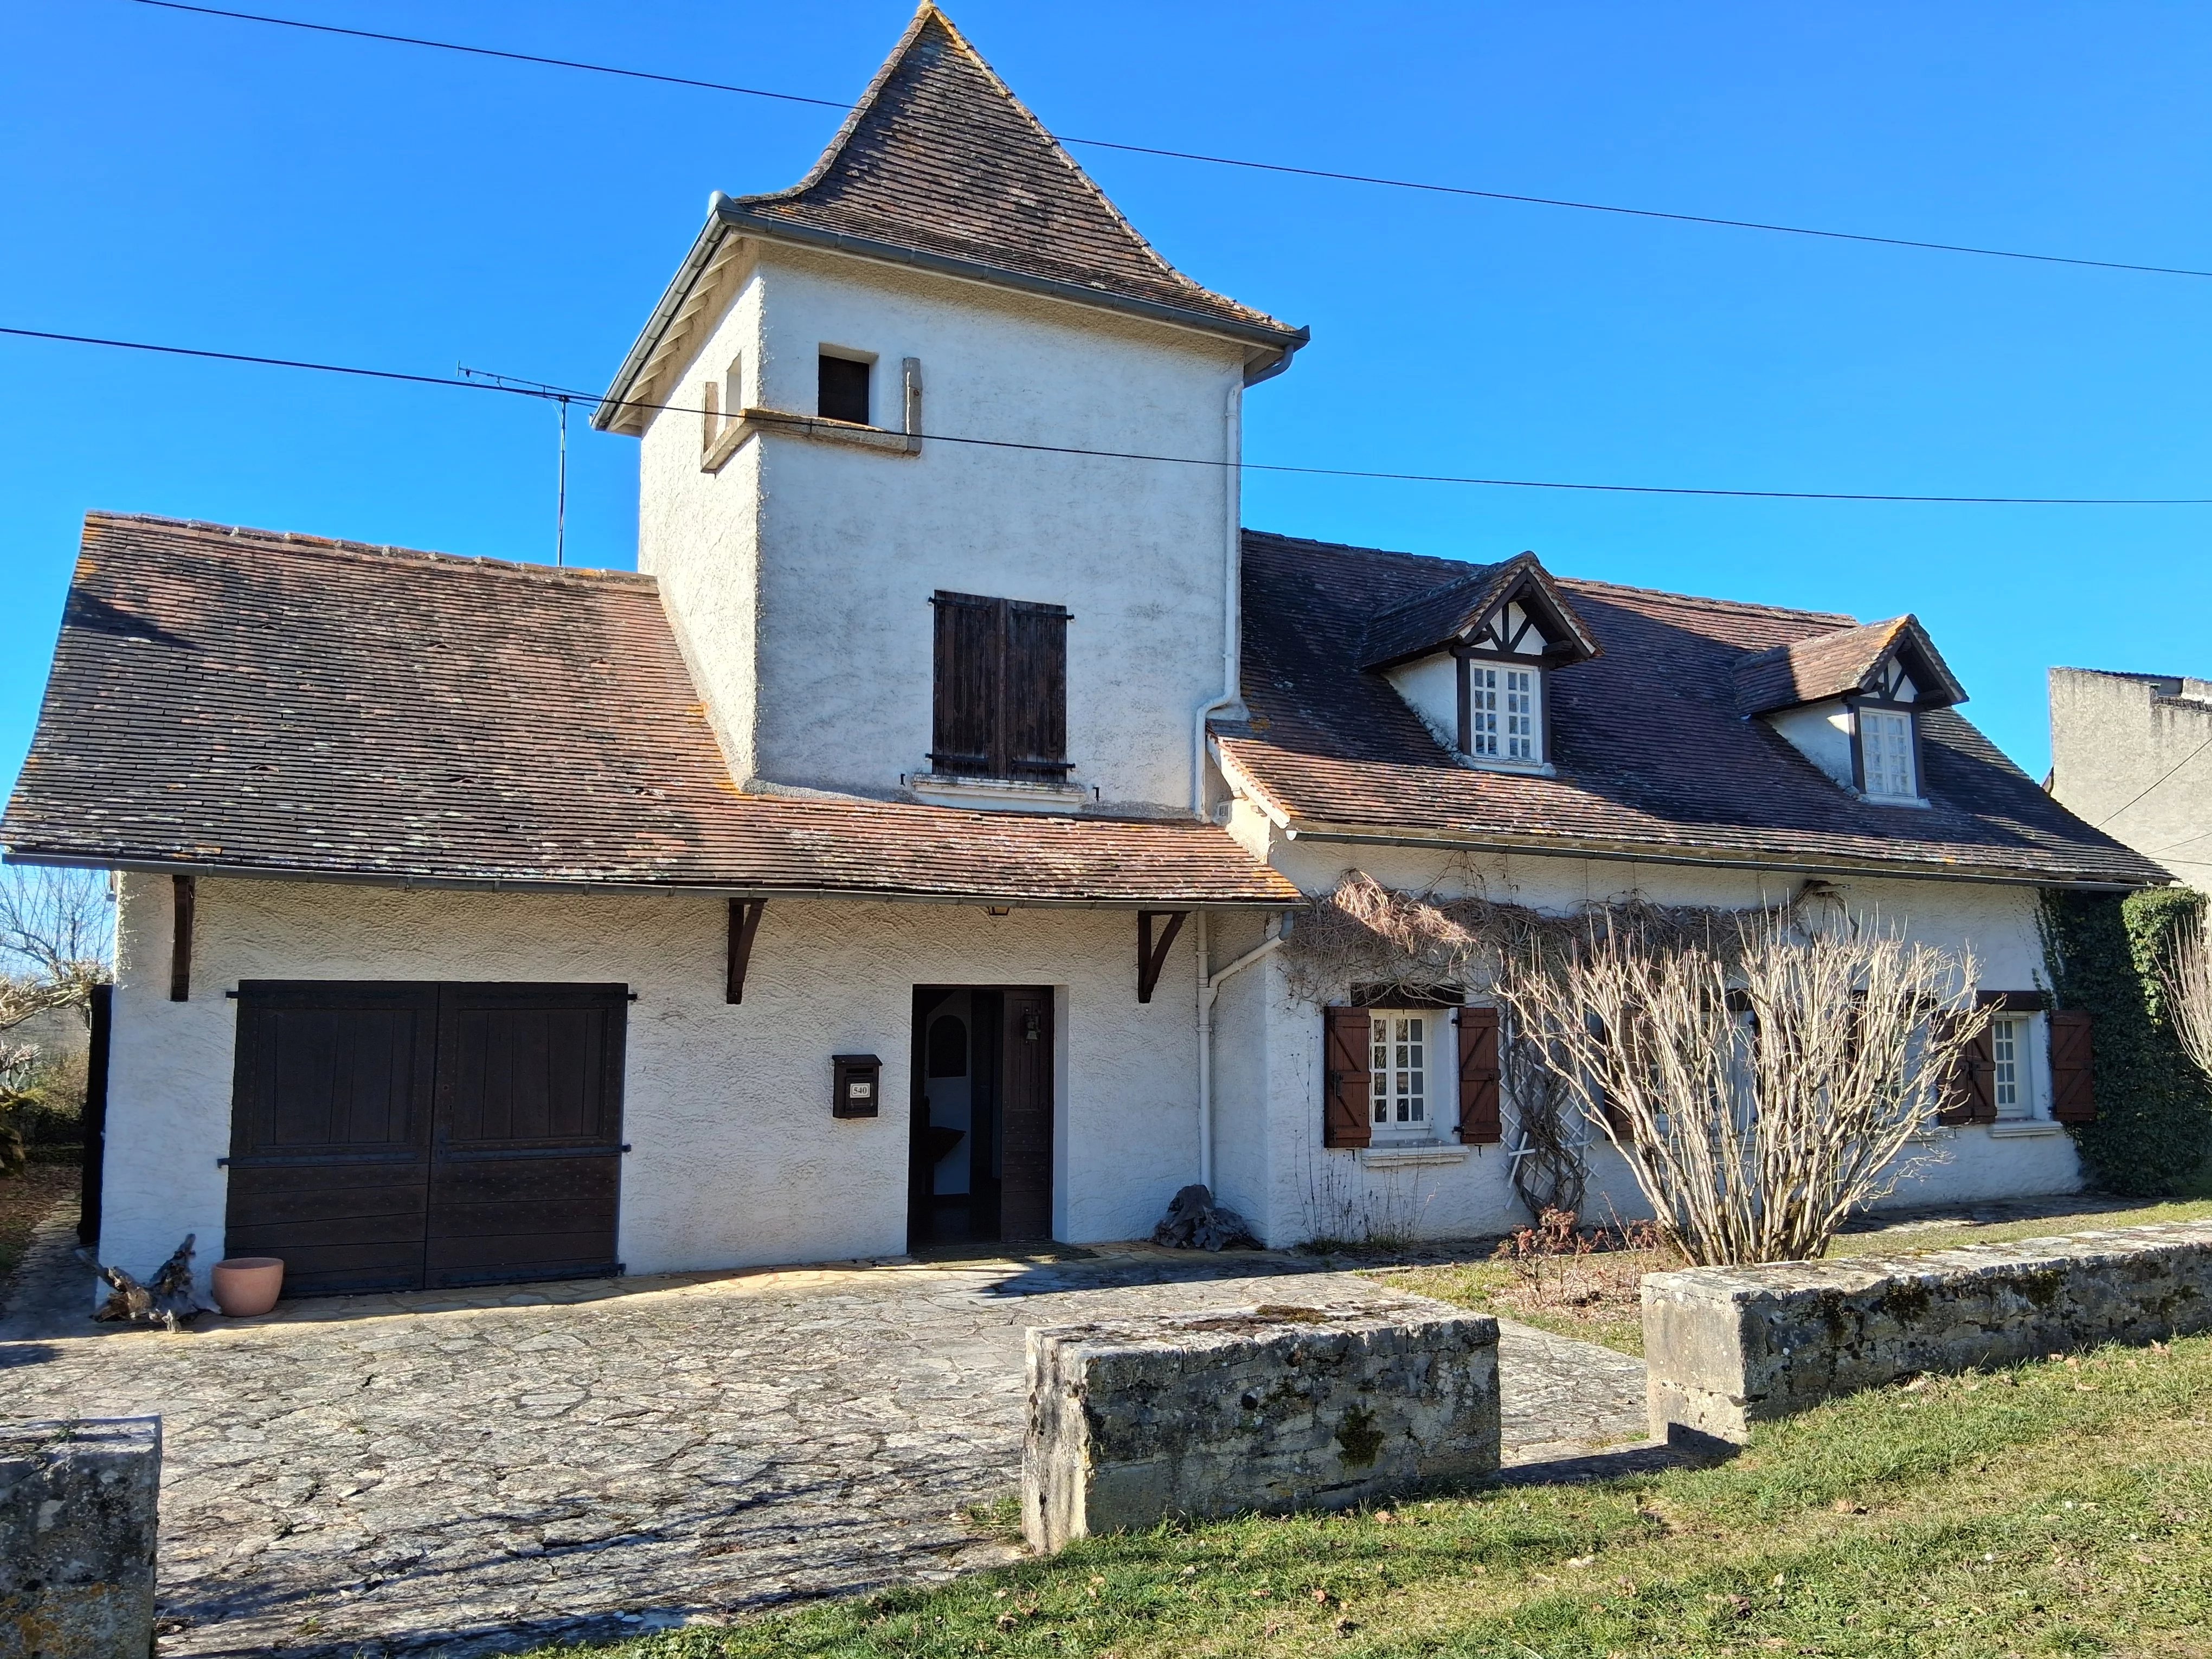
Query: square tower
[[939, 469]]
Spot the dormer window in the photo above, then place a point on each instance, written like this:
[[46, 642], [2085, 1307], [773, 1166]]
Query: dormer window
[[1471, 659], [1504, 709], [1850, 701], [1885, 757]]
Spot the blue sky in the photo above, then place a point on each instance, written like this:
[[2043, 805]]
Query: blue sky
[[257, 190]]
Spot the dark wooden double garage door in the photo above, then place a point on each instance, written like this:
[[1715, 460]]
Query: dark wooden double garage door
[[396, 1135]]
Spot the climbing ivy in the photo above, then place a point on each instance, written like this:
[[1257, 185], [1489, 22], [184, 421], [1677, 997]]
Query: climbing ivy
[[2153, 1125]]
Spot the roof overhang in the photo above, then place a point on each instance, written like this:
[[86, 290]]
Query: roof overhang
[[1675, 853], [584, 886], [1269, 350], [1292, 827]]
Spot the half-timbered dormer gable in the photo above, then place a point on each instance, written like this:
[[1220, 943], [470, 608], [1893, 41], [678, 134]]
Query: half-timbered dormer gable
[[1850, 703], [1472, 658]]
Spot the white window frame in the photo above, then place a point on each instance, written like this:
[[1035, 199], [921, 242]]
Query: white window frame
[[1505, 713], [1888, 753], [1435, 1063], [2016, 1044]]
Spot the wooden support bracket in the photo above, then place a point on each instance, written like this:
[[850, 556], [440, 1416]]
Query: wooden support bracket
[[1150, 957], [744, 922], [185, 892]]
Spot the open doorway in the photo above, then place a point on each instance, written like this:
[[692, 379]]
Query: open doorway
[[982, 1171]]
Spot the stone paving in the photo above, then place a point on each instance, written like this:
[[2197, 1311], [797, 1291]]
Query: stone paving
[[479, 1473]]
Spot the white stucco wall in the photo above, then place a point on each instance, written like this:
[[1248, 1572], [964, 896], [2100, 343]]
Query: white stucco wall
[[1430, 686], [737, 1161], [1295, 1189], [1821, 731], [801, 575]]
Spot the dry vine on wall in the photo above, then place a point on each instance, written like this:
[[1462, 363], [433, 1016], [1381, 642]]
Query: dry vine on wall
[[1366, 933]]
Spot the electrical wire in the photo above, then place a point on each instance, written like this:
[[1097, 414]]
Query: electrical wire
[[549, 392], [2160, 779], [1426, 186]]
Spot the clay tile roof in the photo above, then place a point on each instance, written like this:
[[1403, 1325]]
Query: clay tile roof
[[1425, 623], [939, 158], [237, 699], [1651, 756], [1837, 664]]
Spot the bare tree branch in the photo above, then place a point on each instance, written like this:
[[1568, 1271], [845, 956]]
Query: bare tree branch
[[56, 933]]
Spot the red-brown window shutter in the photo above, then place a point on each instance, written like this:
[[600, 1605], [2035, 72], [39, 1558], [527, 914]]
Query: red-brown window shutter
[[2073, 1089], [1347, 1120], [1478, 1121], [1969, 1089]]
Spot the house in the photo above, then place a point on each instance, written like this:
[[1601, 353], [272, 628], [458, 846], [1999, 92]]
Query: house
[[2129, 752], [905, 852]]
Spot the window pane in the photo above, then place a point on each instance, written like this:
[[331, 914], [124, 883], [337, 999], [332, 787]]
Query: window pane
[[2004, 1049], [1886, 752], [1482, 711]]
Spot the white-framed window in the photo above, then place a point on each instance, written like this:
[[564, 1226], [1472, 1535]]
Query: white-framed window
[[1504, 713], [1886, 753], [2013, 1070], [1400, 1086]]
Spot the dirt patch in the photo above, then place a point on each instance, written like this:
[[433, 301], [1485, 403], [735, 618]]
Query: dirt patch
[[25, 1201]]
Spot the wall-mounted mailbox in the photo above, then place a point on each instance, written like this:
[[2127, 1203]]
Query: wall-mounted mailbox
[[857, 1083]]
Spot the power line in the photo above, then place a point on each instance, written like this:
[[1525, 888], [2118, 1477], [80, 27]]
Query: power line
[[549, 392], [1426, 186], [2152, 784]]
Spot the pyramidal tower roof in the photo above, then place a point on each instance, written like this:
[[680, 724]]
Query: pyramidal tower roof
[[939, 166]]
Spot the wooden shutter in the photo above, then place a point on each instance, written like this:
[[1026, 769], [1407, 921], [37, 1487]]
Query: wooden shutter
[[1969, 1089], [1036, 691], [1478, 1121], [964, 736], [1347, 1119], [1000, 707], [2073, 1090]]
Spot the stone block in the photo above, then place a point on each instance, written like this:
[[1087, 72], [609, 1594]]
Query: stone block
[[1726, 1347], [78, 1507], [1264, 1408]]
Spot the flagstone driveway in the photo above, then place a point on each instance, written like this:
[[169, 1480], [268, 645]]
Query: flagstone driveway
[[477, 1473]]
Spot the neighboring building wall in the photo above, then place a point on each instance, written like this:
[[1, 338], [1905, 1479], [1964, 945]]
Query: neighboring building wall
[[737, 1160], [800, 576], [1293, 1188], [2131, 754]]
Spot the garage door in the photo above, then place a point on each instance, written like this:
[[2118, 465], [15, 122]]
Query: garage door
[[395, 1136]]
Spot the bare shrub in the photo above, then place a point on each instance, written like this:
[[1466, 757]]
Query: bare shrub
[[2185, 975], [1762, 1093]]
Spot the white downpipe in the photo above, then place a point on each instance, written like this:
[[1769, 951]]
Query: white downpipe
[[1209, 987], [1232, 449]]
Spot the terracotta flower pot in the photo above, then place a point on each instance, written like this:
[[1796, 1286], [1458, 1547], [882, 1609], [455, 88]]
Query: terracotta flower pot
[[246, 1286]]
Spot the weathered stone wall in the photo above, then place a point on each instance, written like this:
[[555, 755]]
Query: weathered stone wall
[[78, 1506], [1269, 1408], [1729, 1347]]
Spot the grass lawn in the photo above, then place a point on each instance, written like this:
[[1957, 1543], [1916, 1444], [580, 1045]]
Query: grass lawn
[[2063, 1508], [1596, 1297]]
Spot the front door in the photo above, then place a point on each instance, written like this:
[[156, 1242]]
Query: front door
[[983, 1111], [394, 1135]]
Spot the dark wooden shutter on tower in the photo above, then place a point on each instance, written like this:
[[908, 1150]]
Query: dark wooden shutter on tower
[[1001, 689], [1479, 1124], [1347, 1119], [2073, 1088], [964, 735], [1035, 720]]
